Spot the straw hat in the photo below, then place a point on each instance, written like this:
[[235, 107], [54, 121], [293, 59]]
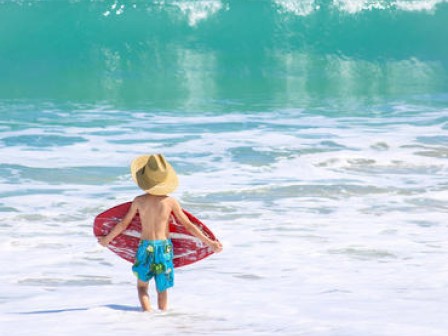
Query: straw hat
[[154, 174]]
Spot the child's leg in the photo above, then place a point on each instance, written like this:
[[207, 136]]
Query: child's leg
[[162, 300], [142, 288]]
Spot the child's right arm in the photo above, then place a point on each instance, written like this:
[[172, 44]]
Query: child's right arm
[[120, 227], [177, 210]]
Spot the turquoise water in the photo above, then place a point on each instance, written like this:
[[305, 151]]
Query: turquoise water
[[310, 136], [218, 56]]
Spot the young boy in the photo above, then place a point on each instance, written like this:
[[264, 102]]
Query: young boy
[[154, 257]]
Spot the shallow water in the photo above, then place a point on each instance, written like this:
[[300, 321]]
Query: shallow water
[[331, 225]]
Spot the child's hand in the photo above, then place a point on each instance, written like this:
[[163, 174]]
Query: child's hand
[[103, 241], [216, 246]]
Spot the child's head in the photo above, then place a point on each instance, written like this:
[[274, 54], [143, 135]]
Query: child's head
[[154, 174]]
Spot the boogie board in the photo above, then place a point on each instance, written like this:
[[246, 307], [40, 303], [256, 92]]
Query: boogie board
[[187, 248]]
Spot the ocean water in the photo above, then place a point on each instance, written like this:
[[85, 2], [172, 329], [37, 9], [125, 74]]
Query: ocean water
[[310, 135]]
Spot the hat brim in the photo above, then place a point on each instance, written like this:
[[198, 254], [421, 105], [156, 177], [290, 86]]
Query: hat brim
[[168, 185]]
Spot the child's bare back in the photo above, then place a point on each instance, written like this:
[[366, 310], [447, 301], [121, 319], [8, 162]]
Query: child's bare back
[[154, 214]]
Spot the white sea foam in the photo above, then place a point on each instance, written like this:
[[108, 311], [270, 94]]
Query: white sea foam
[[307, 7], [297, 7], [418, 5], [331, 225], [355, 6], [197, 11]]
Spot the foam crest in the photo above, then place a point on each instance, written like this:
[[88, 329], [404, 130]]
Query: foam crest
[[297, 7], [418, 5], [197, 11], [356, 6], [308, 7]]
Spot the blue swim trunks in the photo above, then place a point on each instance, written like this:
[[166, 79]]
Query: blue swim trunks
[[154, 258]]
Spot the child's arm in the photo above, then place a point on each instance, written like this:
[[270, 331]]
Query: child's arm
[[177, 210], [120, 227]]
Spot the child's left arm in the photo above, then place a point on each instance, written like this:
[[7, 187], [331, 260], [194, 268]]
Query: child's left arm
[[215, 245]]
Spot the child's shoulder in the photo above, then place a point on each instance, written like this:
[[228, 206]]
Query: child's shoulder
[[170, 199]]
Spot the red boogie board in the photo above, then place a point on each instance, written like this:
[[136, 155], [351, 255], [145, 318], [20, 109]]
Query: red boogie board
[[187, 248]]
